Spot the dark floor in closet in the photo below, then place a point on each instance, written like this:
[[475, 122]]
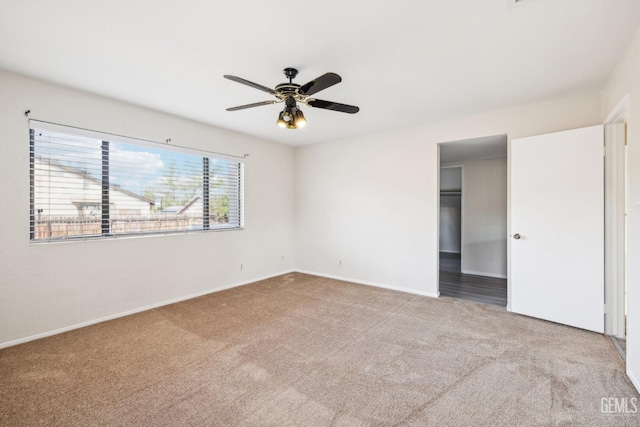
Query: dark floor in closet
[[453, 283]]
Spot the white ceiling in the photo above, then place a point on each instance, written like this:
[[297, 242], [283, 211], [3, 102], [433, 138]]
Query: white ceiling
[[403, 63]]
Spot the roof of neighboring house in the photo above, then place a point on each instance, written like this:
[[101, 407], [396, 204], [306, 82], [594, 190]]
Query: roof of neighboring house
[[171, 209], [188, 204], [87, 176], [178, 210]]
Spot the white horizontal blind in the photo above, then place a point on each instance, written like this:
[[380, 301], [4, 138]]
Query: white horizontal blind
[[225, 193], [87, 187]]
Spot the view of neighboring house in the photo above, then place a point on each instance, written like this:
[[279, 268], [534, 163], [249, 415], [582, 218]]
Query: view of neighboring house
[[193, 208], [78, 193], [189, 215], [68, 203]]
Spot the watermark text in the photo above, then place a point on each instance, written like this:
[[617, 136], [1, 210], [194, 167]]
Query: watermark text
[[619, 405]]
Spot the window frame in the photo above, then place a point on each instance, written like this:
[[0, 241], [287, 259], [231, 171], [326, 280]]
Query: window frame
[[106, 231]]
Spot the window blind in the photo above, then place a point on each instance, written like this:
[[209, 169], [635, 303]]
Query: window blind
[[86, 186]]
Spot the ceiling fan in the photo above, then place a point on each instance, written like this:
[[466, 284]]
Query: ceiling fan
[[292, 94]]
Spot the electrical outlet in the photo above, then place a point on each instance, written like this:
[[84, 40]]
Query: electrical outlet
[[340, 263], [241, 267]]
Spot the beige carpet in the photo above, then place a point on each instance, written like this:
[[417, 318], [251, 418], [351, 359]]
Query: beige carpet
[[302, 350]]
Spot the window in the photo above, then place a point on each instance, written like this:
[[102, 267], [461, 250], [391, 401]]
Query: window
[[87, 185]]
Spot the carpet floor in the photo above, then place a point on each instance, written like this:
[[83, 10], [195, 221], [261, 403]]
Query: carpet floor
[[301, 350]]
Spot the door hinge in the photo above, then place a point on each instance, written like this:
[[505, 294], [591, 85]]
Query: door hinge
[[604, 151]]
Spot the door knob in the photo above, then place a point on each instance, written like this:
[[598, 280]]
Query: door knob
[[516, 236]]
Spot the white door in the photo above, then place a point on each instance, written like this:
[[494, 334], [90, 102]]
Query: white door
[[557, 227]]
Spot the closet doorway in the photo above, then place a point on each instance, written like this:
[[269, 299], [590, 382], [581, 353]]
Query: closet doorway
[[473, 220]]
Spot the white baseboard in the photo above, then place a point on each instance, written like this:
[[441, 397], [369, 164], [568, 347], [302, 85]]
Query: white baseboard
[[482, 273], [199, 294], [633, 379], [375, 284], [450, 252], [134, 311]]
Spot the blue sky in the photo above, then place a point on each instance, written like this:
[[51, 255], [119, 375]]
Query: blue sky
[[132, 167]]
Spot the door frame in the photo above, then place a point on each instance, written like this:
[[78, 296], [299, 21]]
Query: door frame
[[616, 184], [509, 222]]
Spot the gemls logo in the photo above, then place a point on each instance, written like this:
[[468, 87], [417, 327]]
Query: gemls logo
[[615, 405]]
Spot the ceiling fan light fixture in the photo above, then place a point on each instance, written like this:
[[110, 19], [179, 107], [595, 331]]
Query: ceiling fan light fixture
[[281, 122], [299, 119], [288, 118]]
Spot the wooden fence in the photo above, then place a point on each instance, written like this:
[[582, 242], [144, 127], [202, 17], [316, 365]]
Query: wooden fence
[[59, 227]]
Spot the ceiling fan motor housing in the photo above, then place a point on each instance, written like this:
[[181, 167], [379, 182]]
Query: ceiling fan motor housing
[[287, 88], [291, 73]]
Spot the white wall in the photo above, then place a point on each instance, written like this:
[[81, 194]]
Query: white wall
[[450, 223], [625, 79], [371, 201], [450, 210], [46, 287], [484, 216], [451, 178]]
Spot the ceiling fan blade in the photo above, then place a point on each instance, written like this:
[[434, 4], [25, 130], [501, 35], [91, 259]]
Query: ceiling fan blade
[[256, 104], [321, 83], [335, 106], [252, 84]]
